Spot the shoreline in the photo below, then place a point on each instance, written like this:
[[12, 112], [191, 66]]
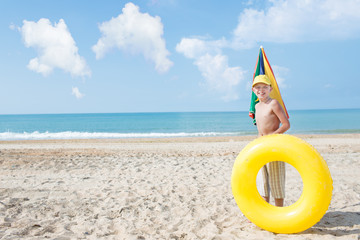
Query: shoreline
[[167, 188], [178, 139]]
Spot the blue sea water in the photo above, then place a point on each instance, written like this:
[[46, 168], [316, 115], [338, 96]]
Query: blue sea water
[[184, 124]]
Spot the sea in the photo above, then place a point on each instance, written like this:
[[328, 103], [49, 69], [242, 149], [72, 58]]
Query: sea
[[169, 124]]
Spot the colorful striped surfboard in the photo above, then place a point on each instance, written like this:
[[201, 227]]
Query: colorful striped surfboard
[[263, 67]]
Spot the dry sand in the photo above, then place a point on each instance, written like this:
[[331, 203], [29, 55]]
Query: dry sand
[[155, 189]]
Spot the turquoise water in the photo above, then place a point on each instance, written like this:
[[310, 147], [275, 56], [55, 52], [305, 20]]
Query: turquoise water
[[192, 124], [325, 121]]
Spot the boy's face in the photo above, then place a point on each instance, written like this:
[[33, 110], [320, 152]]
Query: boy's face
[[262, 90]]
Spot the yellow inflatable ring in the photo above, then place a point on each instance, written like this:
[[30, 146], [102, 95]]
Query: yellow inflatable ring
[[317, 184]]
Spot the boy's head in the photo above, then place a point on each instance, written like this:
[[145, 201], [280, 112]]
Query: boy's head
[[261, 79]]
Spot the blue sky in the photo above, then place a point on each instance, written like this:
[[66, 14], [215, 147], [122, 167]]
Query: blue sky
[[176, 55]]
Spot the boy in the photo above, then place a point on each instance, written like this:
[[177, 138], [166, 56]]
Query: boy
[[270, 119]]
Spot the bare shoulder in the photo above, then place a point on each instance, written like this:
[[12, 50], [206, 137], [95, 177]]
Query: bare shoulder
[[275, 103]]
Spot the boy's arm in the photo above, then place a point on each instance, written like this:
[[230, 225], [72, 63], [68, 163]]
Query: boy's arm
[[279, 112]]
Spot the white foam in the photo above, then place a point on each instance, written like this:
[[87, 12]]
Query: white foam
[[91, 135]]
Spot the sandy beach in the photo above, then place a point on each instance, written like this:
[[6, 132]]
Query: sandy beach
[[175, 188]]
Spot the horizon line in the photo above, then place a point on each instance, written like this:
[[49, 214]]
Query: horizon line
[[214, 111]]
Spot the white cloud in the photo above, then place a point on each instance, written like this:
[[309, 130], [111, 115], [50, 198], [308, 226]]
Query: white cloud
[[219, 76], [213, 65], [196, 47], [75, 91], [298, 21], [137, 33], [191, 47], [55, 46]]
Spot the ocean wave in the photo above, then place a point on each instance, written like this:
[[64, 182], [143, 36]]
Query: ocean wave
[[4, 136]]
